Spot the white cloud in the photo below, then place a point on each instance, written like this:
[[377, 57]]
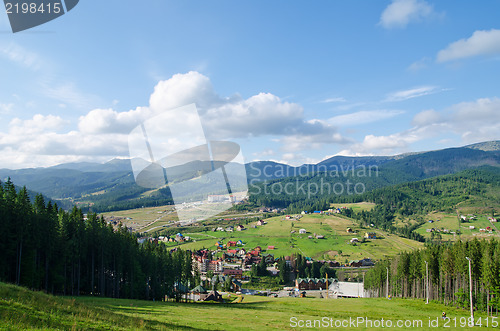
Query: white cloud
[[67, 93], [401, 12], [363, 117], [183, 89], [39, 123], [427, 117], [296, 159], [21, 56], [6, 108], [471, 122], [481, 42], [411, 93], [419, 65], [104, 132], [105, 121], [332, 100]]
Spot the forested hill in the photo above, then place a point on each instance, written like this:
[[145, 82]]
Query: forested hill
[[448, 274], [111, 186], [479, 187], [44, 247]]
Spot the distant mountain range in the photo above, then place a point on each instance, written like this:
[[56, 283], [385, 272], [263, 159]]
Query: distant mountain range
[[111, 185]]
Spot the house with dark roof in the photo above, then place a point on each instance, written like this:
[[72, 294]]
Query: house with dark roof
[[213, 296], [236, 273], [313, 283]]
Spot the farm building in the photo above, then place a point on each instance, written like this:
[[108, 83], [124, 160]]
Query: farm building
[[370, 235], [313, 283]]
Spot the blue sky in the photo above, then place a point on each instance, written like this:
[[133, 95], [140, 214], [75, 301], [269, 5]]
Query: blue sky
[[290, 81]]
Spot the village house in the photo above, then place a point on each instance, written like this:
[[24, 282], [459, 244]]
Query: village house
[[250, 260], [202, 262], [302, 231], [354, 240], [231, 243], [261, 222], [236, 273], [313, 283], [179, 237], [268, 258], [349, 230], [240, 228], [370, 235]]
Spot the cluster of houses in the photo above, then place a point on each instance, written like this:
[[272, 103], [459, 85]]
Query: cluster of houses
[[442, 230], [488, 229], [313, 283], [179, 237], [271, 210], [229, 228], [469, 217], [239, 258], [368, 235], [492, 219]]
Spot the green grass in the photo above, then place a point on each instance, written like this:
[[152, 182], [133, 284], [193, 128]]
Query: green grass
[[357, 207], [277, 232], [23, 309], [449, 221]]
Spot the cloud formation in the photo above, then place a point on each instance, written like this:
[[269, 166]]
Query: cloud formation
[[481, 42], [102, 133], [411, 93], [401, 12], [363, 117], [471, 122]]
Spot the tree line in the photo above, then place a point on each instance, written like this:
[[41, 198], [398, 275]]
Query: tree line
[[67, 252], [447, 268]]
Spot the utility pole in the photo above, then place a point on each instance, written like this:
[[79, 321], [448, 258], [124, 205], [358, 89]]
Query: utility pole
[[327, 289], [427, 281], [387, 284], [470, 290]]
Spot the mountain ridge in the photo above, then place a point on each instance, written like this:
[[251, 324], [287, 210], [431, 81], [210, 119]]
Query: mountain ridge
[[112, 184]]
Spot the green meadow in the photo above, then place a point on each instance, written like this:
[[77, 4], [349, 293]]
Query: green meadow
[[284, 235], [24, 309], [450, 221]]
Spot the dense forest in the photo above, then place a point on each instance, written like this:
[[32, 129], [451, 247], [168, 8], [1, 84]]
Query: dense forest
[[60, 252], [479, 187], [313, 192], [448, 271]]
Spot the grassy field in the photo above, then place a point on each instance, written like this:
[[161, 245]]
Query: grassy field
[[335, 245], [450, 222], [357, 207], [23, 309], [152, 219], [143, 219]]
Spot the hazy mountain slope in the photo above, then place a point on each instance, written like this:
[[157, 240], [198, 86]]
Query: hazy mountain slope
[[112, 184]]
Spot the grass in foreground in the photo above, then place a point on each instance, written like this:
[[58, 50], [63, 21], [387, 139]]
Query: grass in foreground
[[23, 309]]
